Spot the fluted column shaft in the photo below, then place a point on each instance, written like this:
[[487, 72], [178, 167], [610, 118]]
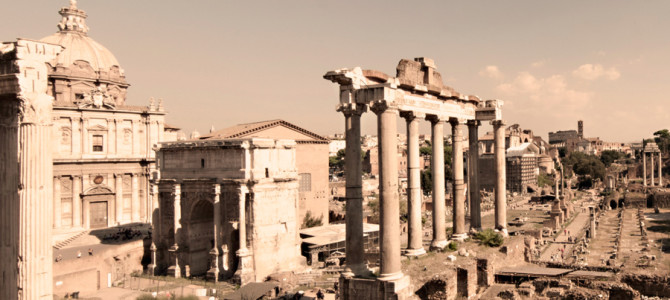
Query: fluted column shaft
[[473, 176], [177, 211], [500, 172], [459, 231], [415, 230], [243, 220], [389, 212], [214, 271], [354, 245], [437, 170]]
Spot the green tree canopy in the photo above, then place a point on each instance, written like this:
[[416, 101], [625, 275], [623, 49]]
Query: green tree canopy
[[585, 165], [662, 138], [610, 156]]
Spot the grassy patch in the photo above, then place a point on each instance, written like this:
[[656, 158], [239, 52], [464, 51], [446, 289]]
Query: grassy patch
[[489, 238]]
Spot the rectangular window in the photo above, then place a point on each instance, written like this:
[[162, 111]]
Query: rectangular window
[[97, 143], [305, 182]]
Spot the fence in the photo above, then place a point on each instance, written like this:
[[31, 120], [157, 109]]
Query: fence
[[176, 286]]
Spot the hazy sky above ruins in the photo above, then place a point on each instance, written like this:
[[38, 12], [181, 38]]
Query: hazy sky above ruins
[[222, 63]]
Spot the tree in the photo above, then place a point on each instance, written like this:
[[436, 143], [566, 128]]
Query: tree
[[585, 165], [662, 138], [310, 221], [426, 176], [610, 156]]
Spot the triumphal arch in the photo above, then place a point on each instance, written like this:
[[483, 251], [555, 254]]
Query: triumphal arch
[[416, 93]]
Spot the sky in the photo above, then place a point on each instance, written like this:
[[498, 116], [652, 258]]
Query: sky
[[220, 63]]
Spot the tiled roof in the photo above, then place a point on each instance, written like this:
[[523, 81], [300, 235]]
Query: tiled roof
[[242, 130]]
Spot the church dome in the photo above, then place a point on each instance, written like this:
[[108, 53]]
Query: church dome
[[82, 57]]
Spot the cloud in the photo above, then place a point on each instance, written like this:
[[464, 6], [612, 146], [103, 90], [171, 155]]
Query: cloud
[[549, 95], [491, 72], [593, 72], [538, 64]]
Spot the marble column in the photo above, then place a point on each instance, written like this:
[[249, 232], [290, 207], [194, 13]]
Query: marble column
[[57, 202], [500, 172], [244, 273], [119, 198], [415, 230], [76, 201], [154, 203], [26, 165], [213, 272], [651, 168], [644, 168], [175, 270], [437, 171], [458, 198], [473, 176], [135, 197], [389, 204], [660, 170], [354, 245]]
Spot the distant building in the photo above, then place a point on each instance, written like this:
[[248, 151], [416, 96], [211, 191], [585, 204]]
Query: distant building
[[561, 137], [236, 196], [311, 154], [522, 166]]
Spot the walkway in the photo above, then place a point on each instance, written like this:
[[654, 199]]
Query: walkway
[[562, 239]]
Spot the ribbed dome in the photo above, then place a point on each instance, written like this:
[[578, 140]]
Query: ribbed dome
[[81, 47]]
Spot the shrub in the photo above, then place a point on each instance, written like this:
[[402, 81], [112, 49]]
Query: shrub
[[489, 238], [310, 221], [453, 246]]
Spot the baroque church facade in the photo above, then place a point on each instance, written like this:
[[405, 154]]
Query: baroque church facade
[[102, 147]]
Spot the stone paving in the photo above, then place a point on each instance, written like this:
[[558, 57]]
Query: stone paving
[[562, 239]]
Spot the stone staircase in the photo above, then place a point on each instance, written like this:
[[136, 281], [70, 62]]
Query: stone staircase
[[64, 243]]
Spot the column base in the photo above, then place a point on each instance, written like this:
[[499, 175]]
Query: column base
[[503, 232], [391, 276], [151, 269], [359, 270], [459, 237], [174, 271], [474, 230], [414, 252], [438, 245], [359, 288], [245, 272], [213, 274]]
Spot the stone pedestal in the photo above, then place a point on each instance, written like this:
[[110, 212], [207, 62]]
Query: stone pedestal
[[245, 271], [360, 288], [152, 268], [174, 270], [213, 272]]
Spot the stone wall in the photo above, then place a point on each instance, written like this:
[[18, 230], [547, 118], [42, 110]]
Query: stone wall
[[91, 273]]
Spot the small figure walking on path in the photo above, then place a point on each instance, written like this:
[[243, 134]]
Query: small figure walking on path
[[78, 253], [90, 251]]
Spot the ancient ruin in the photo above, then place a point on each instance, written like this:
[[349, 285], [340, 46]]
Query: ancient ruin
[[417, 92]]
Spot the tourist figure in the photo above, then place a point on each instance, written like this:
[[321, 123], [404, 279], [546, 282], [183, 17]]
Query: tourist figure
[[320, 295], [90, 251], [78, 253]]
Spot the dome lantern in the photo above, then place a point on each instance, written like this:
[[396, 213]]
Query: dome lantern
[[74, 19]]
